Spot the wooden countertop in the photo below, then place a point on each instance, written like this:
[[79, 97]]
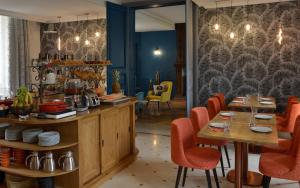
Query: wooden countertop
[[81, 115]]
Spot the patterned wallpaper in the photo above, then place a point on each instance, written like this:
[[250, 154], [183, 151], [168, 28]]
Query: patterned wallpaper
[[68, 30], [253, 61]]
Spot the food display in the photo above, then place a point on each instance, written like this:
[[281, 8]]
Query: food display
[[22, 104]]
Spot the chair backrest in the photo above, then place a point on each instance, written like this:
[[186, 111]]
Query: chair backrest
[[181, 139], [213, 106], [294, 113], [221, 99], [291, 100], [140, 96], [166, 96], [295, 148], [199, 118]]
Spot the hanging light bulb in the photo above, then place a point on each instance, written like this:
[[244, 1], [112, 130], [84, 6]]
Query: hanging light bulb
[[232, 35], [279, 36], [87, 42], [248, 27], [216, 27], [58, 38], [77, 38], [97, 34]]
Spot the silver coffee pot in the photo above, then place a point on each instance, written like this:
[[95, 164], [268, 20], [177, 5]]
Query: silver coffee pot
[[34, 162], [49, 163], [68, 162]]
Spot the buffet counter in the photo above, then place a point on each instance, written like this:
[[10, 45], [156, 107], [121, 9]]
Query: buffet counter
[[101, 139]]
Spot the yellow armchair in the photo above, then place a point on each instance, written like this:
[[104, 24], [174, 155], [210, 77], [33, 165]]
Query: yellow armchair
[[165, 96]]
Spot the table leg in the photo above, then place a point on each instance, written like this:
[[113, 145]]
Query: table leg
[[238, 165]]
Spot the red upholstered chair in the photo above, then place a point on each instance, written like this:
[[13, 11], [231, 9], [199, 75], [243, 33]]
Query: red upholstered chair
[[186, 154], [288, 126], [199, 118], [221, 99], [282, 119], [282, 165], [213, 107], [284, 146]]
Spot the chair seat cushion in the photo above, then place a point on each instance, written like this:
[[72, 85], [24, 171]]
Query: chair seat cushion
[[203, 158], [153, 97], [207, 141], [284, 146], [275, 164]]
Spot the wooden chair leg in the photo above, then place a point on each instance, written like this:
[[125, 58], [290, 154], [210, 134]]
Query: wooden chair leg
[[266, 181], [227, 156], [208, 179], [178, 176], [169, 105], [221, 160], [216, 178], [184, 176]]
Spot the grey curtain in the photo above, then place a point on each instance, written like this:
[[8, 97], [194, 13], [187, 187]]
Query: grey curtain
[[18, 53]]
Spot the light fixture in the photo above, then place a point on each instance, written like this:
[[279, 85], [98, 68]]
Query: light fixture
[[280, 32], [77, 37], [97, 33], [87, 42], [157, 52], [217, 26], [232, 34], [58, 38], [247, 26]]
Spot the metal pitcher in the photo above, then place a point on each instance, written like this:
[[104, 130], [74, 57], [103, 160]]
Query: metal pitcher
[[49, 163], [34, 162], [68, 163]]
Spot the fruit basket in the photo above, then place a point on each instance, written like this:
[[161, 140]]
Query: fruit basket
[[23, 103]]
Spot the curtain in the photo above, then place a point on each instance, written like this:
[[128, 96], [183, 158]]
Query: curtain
[[4, 61], [18, 53]]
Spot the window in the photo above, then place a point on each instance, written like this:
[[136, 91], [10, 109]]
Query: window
[[4, 57]]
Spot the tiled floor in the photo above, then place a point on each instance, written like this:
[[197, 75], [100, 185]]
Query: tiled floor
[[154, 168]]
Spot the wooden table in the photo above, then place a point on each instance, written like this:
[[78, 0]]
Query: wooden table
[[253, 102], [241, 135]]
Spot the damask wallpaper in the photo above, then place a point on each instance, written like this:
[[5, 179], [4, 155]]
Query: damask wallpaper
[[253, 61], [85, 29]]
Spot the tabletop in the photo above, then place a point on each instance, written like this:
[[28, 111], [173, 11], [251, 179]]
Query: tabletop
[[253, 102], [240, 130]]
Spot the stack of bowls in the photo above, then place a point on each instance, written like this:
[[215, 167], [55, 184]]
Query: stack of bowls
[[13, 133], [13, 181], [3, 126], [31, 135], [5, 156], [19, 156], [50, 138]]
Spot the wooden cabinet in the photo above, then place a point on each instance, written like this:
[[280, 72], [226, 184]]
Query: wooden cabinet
[[109, 153], [89, 150], [124, 129]]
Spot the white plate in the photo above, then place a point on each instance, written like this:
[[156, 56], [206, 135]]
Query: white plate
[[266, 102], [217, 125], [266, 99], [227, 114], [263, 116], [240, 97], [261, 129], [241, 102]]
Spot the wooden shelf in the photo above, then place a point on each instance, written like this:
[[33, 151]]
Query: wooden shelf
[[35, 147], [22, 171]]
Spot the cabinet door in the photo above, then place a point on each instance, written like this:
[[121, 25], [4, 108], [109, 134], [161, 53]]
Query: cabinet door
[[89, 150], [109, 152], [124, 132]]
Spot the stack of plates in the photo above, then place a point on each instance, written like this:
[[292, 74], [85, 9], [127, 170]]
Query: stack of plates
[[31, 135], [50, 138], [13, 133], [3, 126]]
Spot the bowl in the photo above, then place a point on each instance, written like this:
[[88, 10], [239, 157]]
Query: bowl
[[21, 111], [49, 138]]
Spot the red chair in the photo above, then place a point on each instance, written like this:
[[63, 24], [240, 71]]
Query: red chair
[[282, 119], [213, 107], [288, 126], [221, 99], [284, 146], [282, 165], [199, 118], [186, 154]]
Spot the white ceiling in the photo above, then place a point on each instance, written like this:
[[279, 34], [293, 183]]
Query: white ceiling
[[157, 19]]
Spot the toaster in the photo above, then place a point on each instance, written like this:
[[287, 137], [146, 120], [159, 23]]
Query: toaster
[[93, 98]]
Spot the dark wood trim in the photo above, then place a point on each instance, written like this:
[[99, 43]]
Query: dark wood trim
[[154, 4]]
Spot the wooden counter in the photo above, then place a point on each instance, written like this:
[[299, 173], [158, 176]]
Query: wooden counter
[[102, 139]]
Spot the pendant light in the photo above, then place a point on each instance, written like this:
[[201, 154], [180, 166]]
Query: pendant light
[[77, 37], [232, 34], [58, 38], [217, 25], [280, 32], [97, 33], [247, 26], [87, 42]]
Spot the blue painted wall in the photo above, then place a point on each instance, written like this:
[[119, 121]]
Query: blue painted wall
[[148, 64]]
